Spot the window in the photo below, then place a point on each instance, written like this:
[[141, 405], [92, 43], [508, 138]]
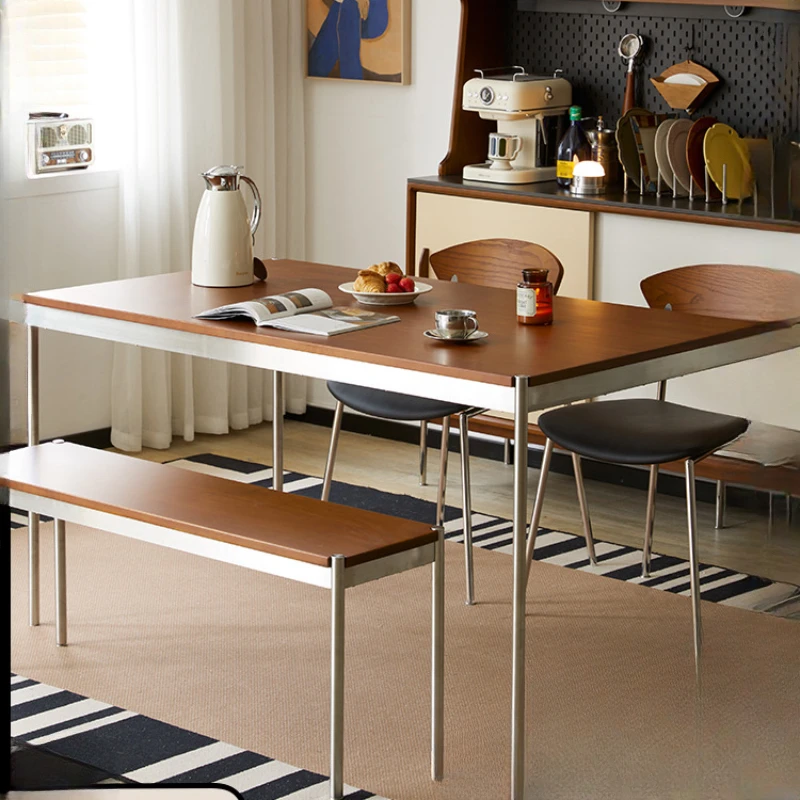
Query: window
[[56, 57]]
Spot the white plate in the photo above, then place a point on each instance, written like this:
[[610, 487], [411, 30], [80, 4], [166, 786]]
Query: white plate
[[686, 79], [386, 298], [473, 337]]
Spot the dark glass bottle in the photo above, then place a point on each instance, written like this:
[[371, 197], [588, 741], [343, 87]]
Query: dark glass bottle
[[535, 298], [574, 147]]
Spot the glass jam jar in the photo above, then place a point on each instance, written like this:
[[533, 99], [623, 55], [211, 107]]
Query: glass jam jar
[[535, 298]]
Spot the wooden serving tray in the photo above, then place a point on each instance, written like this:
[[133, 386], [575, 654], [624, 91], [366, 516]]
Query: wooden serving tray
[[680, 96]]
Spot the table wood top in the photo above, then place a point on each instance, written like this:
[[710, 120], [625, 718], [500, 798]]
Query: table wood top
[[288, 525], [586, 337]]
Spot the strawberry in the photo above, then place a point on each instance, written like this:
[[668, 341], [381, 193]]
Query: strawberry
[[393, 277], [393, 288], [407, 284]]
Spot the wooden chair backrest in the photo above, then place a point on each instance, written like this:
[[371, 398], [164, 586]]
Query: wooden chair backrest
[[492, 262], [759, 294]]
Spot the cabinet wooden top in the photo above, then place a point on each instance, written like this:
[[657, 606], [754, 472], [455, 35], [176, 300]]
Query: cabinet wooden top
[[760, 217]]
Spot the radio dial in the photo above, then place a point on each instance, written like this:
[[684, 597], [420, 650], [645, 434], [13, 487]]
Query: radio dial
[[45, 159], [83, 155], [487, 95]]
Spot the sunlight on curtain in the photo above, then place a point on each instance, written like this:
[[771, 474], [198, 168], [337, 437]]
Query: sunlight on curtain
[[203, 82]]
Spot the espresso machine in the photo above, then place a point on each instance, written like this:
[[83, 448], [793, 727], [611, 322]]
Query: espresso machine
[[530, 114]]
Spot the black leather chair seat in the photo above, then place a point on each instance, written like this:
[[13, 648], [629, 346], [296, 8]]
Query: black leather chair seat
[[391, 405], [639, 431]]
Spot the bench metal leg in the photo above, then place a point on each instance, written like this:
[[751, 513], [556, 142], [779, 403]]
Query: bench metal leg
[[277, 431], [337, 676], [587, 522], [335, 430], [721, 505], [691, 509], [33, 439], [437, 661], [650, 519], [442, 490], [466, 503], [423, 452], [536, 514], [59, 549]]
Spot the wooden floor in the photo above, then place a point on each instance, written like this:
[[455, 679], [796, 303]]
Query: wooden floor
[[748, 544]]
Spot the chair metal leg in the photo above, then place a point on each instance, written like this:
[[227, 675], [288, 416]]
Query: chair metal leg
[[507, 452], [466, 503], [336, 428], [437, 660], [536, 514], [587, 522], [650, 519], [59, 550], [721, 505], [442, 489], [691, 508], [337, 676], [423, 452]]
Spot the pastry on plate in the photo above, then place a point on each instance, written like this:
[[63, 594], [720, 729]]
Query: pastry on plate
[[385, 267], [369, 281]]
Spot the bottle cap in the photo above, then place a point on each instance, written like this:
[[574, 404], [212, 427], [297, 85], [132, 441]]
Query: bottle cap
[[575, 113], [535, 275]]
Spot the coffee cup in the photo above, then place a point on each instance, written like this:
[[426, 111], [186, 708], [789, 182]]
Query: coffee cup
[[456, 323]]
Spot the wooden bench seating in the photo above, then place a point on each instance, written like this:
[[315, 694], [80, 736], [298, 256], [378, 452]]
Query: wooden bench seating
[[322, 544]]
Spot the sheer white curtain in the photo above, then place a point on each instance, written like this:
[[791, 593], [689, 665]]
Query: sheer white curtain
[[205, 82]]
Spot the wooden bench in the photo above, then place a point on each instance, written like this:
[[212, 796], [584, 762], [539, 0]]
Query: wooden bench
[[306, 540]]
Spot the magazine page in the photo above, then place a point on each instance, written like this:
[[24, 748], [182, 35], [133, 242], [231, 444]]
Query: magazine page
[[332, 321], [264, 309]]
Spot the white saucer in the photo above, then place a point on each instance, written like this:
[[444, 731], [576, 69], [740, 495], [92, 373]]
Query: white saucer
[[473, 337]]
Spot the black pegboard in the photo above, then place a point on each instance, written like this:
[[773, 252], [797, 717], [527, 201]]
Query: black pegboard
[[758, 63]]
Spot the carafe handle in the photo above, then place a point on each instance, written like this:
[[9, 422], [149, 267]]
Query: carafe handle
[[256, 218]]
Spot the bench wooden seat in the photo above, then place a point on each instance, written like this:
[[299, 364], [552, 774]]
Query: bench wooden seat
[[299, 538]]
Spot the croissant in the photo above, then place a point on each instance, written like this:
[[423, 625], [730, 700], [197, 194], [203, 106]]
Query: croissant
[[369, 281], [385, 267]]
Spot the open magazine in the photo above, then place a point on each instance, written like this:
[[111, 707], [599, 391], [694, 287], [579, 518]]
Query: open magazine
[[303, 311]]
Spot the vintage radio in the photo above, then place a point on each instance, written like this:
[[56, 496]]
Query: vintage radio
[[57, 143]]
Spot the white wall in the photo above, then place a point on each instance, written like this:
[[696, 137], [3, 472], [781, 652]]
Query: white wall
[[51, 241], [365, 140]]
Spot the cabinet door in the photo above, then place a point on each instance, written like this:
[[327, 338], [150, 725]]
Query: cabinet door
[[444, 220]]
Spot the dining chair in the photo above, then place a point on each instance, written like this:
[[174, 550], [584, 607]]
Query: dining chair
[[653, 432], [487, 262]]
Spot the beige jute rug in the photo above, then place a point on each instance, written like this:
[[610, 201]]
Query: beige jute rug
[[612, 708]]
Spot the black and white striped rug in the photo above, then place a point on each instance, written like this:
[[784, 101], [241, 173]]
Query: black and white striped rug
[[668, 573], [138, 749]]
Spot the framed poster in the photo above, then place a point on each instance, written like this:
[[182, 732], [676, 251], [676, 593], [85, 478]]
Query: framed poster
[[359, 40]]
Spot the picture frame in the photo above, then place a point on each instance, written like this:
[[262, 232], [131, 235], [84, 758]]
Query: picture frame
[[365, 41]]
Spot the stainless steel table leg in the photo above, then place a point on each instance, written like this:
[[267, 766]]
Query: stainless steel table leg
[[277, 431], [691, 510], [33, 439], [721, 505], [466, 503], [337, 676], [59, 550], [423, 452], [437, 661], [520, 584]]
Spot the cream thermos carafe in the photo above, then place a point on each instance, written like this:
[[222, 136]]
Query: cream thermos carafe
[[222, 250]]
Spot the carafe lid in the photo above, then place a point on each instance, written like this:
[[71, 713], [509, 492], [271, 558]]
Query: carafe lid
[[224, 178]]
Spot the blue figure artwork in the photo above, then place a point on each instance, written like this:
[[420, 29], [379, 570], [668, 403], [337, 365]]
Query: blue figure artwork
[[339, 38]]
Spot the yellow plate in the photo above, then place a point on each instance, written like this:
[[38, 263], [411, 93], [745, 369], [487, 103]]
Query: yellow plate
[[722, 146]]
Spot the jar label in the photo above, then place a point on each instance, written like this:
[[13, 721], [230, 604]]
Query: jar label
[[565, 169], [526, 302]]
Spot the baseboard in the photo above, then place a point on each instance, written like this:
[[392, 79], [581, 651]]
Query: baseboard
[[100, 438]]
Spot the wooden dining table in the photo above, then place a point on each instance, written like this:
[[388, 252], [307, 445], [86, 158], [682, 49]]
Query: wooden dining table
[[591, 349]]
